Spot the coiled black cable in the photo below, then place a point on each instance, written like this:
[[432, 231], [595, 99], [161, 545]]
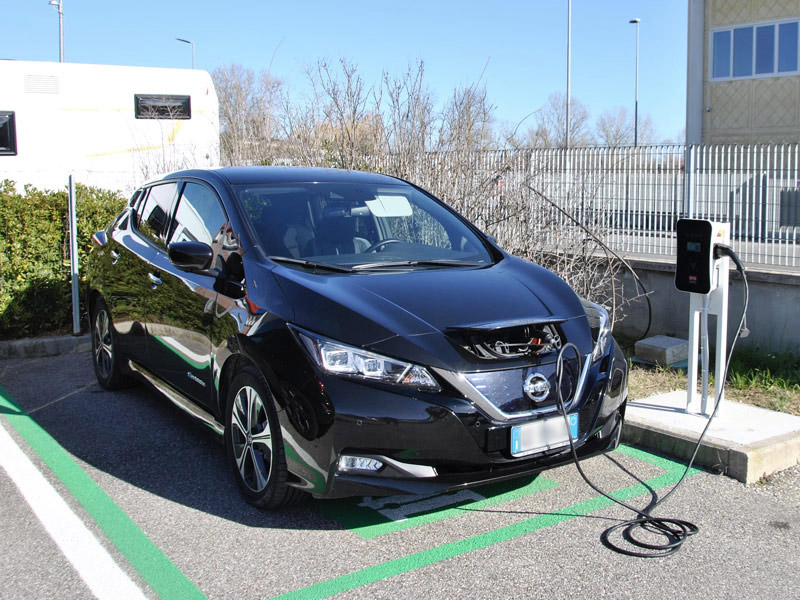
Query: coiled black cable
[[676, 531]]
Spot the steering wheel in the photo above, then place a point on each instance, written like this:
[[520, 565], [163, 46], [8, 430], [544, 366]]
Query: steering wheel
[[378, 245]]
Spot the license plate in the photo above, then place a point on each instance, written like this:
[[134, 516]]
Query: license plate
[[542, 435]]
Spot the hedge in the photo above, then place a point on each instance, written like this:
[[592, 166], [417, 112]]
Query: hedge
[[35, 290]]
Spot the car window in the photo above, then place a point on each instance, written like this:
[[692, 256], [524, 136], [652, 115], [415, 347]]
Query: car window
[[153, 218], [199, 217], [352, 224], [419, 227]]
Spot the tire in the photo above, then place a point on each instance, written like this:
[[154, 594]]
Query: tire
[[104, 351], [253, 442]]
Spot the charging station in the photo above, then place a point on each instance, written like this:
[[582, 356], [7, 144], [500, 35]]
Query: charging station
[[703, 273]]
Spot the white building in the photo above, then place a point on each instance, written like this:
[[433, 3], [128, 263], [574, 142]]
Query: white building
[[743, 84], [111, 127]]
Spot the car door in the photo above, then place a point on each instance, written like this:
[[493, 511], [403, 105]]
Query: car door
[[125, 266], [182, 305]]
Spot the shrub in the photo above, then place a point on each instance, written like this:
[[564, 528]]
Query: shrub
[[34, 254]]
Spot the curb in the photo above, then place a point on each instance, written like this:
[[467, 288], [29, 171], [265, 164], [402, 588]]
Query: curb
[[745, 442], [745, 463], [45, 346]]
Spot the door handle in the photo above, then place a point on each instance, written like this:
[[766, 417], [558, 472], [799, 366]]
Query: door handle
[[155, 280], [114, 257]]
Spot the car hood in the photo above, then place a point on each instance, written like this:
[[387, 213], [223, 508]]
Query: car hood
[[407, 314]]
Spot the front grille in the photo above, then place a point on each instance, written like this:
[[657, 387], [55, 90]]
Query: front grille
[[506, 389]]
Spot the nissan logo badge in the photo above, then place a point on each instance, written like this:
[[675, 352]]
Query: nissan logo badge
[[536, 387]]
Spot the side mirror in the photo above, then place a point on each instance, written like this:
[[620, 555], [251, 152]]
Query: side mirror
[[191, 256]]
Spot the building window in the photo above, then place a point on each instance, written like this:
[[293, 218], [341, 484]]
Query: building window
[[787, 47], [8, 133], [765, 49], [161, 106], [743, 52], [722, 54], [757, 50]]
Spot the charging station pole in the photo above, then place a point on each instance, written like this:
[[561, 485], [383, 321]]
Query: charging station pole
[[706, 279]]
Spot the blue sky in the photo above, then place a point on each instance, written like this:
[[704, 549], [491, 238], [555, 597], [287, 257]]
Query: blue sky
[[518, 46]]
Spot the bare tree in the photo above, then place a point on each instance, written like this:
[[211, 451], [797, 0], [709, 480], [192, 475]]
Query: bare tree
[[550, 129], [409, 120], [350, 130], [248, 104], [467, 120], [615, 128]]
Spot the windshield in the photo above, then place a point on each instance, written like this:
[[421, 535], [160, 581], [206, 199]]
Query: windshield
[[357, 225]]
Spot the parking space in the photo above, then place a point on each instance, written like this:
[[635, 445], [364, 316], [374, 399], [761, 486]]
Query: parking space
[[152, 487]]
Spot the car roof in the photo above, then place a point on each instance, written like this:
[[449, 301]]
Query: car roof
[[254, 175]]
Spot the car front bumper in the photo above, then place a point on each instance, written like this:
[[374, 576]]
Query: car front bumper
[[428, 442]]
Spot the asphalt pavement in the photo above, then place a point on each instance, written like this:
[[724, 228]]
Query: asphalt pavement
[[152, 488]]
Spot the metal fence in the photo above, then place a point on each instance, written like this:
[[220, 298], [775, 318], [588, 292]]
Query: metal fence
[[628, 197]]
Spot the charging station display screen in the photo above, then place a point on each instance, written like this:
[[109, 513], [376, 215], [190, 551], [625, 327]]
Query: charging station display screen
[[693, 268]]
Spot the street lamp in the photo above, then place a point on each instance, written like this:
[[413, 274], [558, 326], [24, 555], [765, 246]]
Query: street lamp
[[192, 44], [569, 66], [57, 5], [636, 102]]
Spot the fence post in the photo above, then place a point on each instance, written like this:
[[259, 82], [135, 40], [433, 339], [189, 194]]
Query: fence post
[[688, 185], [73, 258]]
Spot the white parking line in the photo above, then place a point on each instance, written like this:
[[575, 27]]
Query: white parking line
[[92, 562]]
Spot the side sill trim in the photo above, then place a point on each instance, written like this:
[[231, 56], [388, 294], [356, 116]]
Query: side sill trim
[[178, 399]]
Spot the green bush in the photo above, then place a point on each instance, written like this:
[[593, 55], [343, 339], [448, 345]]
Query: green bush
[[34, 254]]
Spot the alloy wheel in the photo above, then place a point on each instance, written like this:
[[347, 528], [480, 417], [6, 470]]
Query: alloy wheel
[[251, 438], [103, 349]]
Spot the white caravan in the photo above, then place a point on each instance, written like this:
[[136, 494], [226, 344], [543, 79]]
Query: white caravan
[[109, 126]]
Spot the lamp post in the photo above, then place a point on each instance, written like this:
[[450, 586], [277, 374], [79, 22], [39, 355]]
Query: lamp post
[[636, 96], [569, 66], [192, 45], [57, 5]]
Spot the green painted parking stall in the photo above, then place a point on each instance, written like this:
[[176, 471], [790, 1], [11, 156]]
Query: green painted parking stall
[[371, 519], [144, 556], [356, 518]]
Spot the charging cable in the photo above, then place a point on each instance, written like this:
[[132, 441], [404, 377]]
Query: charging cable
[[676, 531]]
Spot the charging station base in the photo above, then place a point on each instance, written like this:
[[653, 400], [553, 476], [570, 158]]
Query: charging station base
[[744, 442]]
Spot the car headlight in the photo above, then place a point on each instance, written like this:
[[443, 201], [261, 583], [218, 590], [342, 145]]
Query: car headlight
[[347, 361], [600, 323]]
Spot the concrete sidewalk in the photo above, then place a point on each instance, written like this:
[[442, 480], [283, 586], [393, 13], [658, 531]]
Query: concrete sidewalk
[[744, 442]]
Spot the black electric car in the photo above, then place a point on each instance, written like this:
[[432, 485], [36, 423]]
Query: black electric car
[[348, 334]]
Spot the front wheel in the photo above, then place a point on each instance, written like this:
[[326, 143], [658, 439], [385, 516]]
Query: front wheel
[[253, 442]]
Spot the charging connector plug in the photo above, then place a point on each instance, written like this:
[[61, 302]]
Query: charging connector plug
[[721, 250]]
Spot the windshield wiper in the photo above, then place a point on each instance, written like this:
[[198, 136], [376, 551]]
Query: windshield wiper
[[310, 264], [433, 262]]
